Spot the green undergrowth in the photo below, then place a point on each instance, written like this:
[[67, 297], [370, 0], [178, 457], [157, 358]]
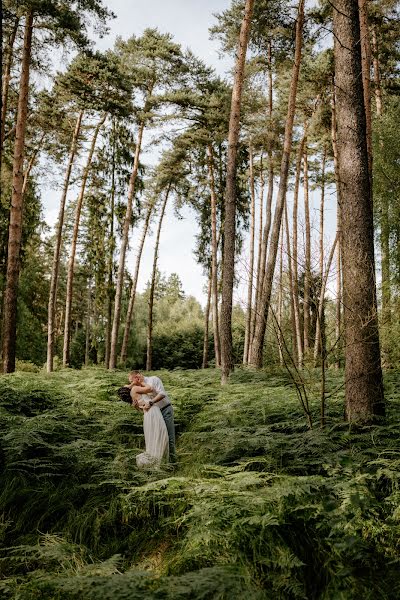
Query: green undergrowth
[[259, 506]]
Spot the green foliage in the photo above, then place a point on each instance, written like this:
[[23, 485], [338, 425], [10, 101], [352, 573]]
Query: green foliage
[[259, 506]]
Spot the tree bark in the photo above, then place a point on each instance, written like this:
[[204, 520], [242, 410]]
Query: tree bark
[[256, 357], [123, 250], [128, 322], [214, 256], [16, 212], [230, 198], [363, 374], [153, 285], [71, 262], [247, 335]]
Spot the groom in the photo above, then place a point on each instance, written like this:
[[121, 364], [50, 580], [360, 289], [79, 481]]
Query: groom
[[154, 385]]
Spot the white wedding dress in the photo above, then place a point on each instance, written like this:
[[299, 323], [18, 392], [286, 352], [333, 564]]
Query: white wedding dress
[[156, 439]]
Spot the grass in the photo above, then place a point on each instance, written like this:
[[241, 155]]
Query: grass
[[259, 507]]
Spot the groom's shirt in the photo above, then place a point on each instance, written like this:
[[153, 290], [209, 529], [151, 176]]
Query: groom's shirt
[[157, 385]]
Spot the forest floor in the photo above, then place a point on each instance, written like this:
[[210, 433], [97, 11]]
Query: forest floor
[[258, 507]]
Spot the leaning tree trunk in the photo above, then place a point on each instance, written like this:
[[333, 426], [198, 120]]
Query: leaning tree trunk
[[124, 246], [128, 321], [256, 357], [247, 335], [71, 262], [363, 373], [230, 198], [153, 286], [206, 324], [51, 324], [16, 211], [214, 256], [264, 241]]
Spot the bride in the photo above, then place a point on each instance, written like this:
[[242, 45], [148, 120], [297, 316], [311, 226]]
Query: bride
[[155, 431]]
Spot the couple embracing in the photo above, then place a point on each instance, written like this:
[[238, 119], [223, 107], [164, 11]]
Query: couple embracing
[[148, 395]]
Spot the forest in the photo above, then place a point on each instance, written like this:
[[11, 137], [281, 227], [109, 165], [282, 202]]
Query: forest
[[284, 373]]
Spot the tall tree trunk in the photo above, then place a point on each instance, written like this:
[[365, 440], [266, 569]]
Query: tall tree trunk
[[16, 212], [153, 285], [260, 245], [364, 388], [280, 301], [256, 357], [307, 262], [88, 315], [321, 239], [247, 335], [214, 256], [264, 246], [268, 217], [295, 255], [124, 246], [230, 198], [128, 322], [71, 262], [5, 84], [384, 206], [110, 285], [51, 319], [338, 320], [206, 324], [291, 289]]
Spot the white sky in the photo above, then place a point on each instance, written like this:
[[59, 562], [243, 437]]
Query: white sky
[[188, 21]]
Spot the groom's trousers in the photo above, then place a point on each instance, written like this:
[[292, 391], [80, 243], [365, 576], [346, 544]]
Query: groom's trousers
[[168, 415]]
